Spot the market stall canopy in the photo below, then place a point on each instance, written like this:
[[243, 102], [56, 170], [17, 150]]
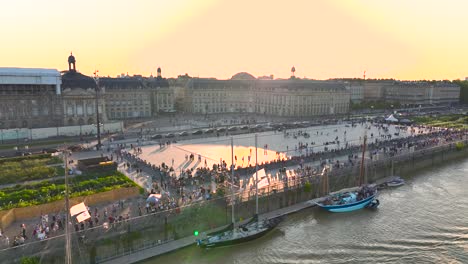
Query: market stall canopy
[[391, 118]]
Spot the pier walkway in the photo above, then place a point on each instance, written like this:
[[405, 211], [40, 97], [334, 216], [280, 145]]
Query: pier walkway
[[159, 249]]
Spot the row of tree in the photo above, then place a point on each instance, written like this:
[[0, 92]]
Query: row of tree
[[463, 91]]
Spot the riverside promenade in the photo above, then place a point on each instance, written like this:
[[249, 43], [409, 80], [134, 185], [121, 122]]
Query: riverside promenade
[[153, 251]]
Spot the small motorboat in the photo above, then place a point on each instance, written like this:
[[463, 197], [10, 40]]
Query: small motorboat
[[395, 182], [374, 204]]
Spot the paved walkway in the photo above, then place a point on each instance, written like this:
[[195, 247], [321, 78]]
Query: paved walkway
[[150, 252]]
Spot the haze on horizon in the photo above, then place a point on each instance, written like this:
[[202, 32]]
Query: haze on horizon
[[408, 40]]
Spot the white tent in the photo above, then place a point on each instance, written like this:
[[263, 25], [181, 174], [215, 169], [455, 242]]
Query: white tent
[[391, 118], [80, 211]]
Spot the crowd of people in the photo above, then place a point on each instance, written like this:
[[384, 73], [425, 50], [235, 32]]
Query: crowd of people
[[197, 184]]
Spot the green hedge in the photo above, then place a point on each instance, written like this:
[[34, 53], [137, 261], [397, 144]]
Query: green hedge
[[26, 170], [51, 159], [49, 191]]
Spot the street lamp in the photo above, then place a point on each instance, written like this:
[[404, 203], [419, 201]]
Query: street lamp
[[98, 126], [1, 129], [17, 136]]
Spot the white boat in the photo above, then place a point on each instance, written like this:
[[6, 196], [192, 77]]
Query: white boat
[[395, 182]]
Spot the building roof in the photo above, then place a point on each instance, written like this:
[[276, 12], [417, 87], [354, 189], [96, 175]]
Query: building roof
[[121, 83], [300, 84], [198, 83], [157, 82], [12, 71], [74, 79], [133, 83], [243, 76], [34, 76]]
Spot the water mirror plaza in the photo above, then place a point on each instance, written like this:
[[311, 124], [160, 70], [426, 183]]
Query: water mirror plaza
[[272, 146]]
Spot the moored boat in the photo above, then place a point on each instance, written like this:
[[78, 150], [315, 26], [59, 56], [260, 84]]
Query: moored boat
[[348, 201], [395, 182], [251, 230], [241, 234]]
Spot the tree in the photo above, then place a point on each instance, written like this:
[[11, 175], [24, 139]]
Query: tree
[[29, 260], [463, 91]]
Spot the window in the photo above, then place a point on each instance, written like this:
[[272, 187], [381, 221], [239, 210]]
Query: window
[[79, 110], [69, 110], [90, 109]]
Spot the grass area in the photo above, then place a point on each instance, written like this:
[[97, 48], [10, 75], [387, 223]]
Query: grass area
[[36, 143], [27, 168], [447, 121], [49, 191]]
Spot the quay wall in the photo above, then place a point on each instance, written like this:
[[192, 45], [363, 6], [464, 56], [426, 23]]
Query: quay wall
[[150, 231], [214, 214]]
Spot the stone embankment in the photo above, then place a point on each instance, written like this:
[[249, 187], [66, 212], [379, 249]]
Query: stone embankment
[[150, 235]]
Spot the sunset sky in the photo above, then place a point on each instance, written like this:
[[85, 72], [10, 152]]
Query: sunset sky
[[402, 39]]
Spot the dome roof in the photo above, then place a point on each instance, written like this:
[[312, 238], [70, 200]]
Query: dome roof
[[74, 79], [243, 76]]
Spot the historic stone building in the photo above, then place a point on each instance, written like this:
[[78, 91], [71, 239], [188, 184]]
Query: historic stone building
[[422, 93], [126, 98], [30, 98], [137, 97], [292, 97], [296, 98], [211, 96], [79, 98]]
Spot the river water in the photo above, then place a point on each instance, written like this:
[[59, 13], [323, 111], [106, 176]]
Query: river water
[[424, 221]]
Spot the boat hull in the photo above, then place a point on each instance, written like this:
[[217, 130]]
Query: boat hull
[[272, 224], [395, 184], [343, 208]]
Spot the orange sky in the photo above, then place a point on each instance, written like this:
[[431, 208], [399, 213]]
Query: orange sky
[[417, 39]]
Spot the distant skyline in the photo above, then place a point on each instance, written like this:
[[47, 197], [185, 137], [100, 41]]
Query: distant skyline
[[407, 40]]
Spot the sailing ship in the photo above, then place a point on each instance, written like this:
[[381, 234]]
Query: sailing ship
[[350, 200], [251, 230]]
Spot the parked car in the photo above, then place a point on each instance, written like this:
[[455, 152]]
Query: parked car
[[232, 128], [170, 135], [221, 129], [197, 132], [157, 136], [50, 150], [209, 130], [183, 134]]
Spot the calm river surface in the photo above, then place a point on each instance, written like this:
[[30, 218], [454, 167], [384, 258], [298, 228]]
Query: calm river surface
[[425, 221]]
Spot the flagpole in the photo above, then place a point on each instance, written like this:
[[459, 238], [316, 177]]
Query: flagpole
[[68, 259], [256, 177]]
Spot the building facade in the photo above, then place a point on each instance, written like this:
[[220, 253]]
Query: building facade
[[293, 97], [30, 98], [422, 93], [81, 98]]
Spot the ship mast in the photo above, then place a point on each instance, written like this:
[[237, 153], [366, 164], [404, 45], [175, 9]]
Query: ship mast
[[232, 181], [256, 178], [361, 176]]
